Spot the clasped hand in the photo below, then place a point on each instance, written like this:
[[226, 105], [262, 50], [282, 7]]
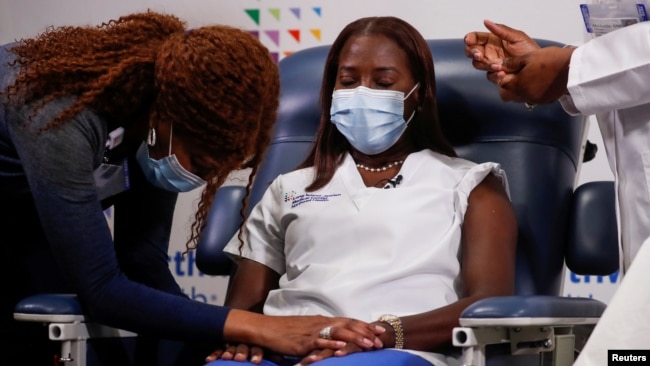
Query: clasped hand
[[339, 345], [523, 71]]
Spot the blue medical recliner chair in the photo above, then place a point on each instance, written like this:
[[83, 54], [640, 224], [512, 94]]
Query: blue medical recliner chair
[[540, 151]]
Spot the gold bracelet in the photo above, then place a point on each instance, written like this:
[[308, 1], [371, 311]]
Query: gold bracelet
[[396, 323]]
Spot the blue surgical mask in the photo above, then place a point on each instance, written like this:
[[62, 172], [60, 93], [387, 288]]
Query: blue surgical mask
[[372, 120], [167, 173]]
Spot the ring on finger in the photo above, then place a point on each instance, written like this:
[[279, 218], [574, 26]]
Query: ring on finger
[[529, 106], [326, 333]]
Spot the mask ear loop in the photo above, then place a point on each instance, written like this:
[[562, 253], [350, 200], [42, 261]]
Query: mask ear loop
[[151, 137], [410, 118], [406, 97], [412, 90]]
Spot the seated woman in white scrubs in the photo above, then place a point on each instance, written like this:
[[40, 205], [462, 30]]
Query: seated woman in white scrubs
[[382, 222]]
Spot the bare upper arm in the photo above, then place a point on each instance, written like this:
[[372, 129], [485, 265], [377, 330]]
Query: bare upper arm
[[489, 238]]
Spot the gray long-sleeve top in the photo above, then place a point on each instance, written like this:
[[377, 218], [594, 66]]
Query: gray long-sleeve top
[[123, 281]]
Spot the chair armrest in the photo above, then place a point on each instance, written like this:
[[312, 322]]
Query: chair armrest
[[66, 322], [531, 311], [49, 308], [592, 248], [531, 325]]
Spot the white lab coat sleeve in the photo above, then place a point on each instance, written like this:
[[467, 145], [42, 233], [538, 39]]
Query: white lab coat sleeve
[[610, 72], [625, 324], [263, 235]]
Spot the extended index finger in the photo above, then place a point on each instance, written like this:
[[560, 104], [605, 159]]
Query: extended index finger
[[503, 31]]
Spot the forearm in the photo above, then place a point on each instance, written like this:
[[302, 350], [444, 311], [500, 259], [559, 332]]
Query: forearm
[[244, 303], [250, 286]]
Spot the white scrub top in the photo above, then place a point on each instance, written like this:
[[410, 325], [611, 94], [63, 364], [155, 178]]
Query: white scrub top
[[609, 77], [356, 251]]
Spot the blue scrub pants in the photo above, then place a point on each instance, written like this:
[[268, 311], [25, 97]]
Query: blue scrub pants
[[384, 357]]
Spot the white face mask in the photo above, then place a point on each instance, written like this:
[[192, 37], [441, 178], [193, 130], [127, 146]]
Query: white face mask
[[167, 173], [371, 120]]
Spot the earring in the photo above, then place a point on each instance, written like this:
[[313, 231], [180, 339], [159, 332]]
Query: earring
[[151, 137]]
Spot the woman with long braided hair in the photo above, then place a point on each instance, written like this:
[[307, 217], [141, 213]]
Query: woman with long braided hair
[[127, 115]]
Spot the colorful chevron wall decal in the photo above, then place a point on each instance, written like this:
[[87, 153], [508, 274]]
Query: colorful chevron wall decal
[[295, 33], [254, 14], [274, 35], [275, 12], [282, 36], [316, 33]]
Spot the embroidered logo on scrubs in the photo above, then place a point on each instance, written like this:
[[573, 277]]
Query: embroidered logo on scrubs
[[289, 196], [298, 199]]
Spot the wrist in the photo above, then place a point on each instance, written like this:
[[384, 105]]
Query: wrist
[[565, 76], [395, 323], [241, 326]]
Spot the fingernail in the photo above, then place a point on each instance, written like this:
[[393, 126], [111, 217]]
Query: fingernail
[[340, 344], [380, 328], [379, 343], [368, 342]]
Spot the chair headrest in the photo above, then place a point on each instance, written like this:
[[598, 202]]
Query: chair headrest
[[469, 106]]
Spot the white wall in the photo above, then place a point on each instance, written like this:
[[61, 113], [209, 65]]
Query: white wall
[[554, 19], [558, 20]]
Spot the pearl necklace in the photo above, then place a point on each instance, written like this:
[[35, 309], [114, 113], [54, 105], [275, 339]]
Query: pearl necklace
[[380, 169]]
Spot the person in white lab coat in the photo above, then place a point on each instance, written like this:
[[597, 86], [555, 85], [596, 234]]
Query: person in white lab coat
[[606, 77]]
